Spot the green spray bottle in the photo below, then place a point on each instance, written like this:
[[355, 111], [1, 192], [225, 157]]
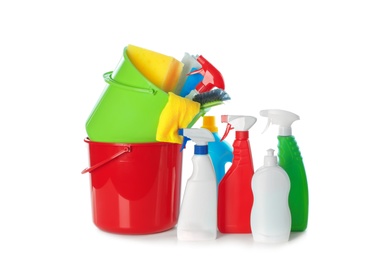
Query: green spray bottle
[[291, 161]]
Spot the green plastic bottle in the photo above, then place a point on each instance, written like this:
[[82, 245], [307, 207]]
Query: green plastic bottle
[[291, 161]]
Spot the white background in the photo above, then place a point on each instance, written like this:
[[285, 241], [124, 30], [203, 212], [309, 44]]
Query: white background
[[327, 61]]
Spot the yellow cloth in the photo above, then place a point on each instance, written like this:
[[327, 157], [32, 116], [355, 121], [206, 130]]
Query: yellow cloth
[[177, 113]]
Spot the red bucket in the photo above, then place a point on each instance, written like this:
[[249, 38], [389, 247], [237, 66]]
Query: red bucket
[[135, 187]]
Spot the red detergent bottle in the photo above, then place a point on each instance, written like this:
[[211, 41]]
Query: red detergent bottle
[[235, 197]]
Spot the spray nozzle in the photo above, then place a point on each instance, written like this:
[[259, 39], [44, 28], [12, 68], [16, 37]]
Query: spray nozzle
[[239, 123], [280, 117], [211, 76], [201, 136]]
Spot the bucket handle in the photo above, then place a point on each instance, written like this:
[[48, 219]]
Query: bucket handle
[[126, 149], [108, 79]]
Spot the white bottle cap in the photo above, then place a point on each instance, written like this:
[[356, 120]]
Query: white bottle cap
[[270, 159]]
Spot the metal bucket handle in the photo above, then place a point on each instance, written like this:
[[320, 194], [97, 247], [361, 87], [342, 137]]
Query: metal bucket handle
[[126, 149]]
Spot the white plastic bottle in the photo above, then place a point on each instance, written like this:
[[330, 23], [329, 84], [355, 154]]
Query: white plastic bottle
[[270, 215], [198, 212]]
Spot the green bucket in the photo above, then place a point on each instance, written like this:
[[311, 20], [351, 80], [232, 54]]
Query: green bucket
[[129, 109]]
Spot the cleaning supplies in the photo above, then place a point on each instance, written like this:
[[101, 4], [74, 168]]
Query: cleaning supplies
[[162, 70], [207, 100], [221, 152], [291, 161], [135, 188], [188, 82], [211, 98], [235, 198], [135, 106], [211, 78], [198, 213], [129, 108], [191, 82], [270, 215], [203, 83], [182, 112], [177, 113]]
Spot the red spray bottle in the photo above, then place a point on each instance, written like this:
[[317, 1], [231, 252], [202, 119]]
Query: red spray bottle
[[235, 198]]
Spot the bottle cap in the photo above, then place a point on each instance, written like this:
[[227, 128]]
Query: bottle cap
[[270, 159], [209, 123]]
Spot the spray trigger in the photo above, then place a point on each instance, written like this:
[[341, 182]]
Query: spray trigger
[[185, 140], [228, 128], [183, 146], [266, 127]]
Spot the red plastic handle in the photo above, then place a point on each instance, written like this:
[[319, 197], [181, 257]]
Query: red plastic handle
[[126, 149]]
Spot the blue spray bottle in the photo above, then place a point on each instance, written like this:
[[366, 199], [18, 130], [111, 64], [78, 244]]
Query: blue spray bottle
[[221, 152]]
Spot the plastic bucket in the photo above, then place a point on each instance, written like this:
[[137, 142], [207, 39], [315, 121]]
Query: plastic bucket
[[129, 108], [135, 187]]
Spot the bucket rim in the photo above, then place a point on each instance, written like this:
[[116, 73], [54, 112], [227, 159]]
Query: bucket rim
[[89, 141]]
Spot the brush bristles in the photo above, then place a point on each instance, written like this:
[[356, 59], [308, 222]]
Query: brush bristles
[[215, 95]]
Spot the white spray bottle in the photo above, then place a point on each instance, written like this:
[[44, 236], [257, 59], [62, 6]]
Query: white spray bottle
[[270, 215], [198, 212]]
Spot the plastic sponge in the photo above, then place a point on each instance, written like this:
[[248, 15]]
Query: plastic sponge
[[162, 70]]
